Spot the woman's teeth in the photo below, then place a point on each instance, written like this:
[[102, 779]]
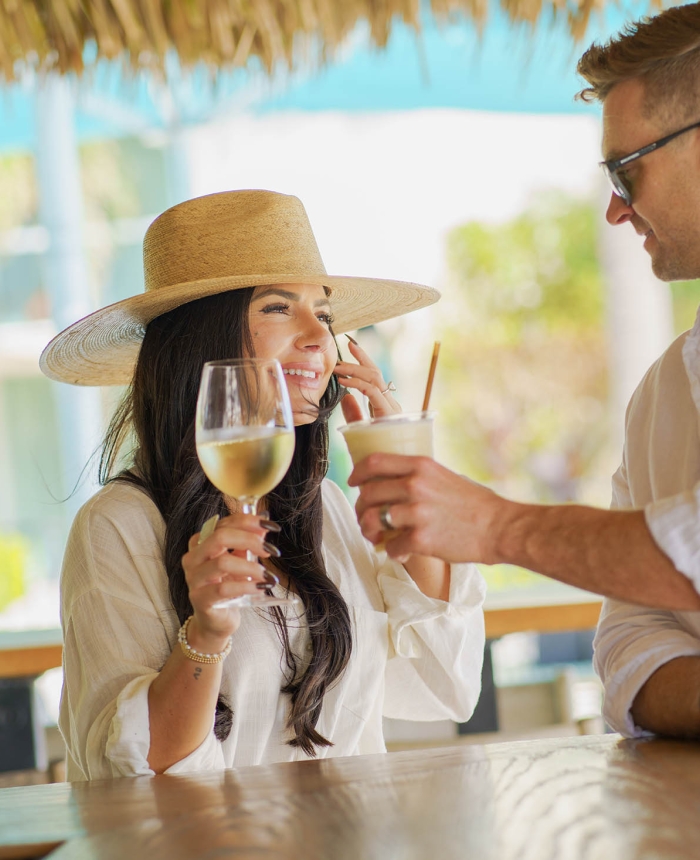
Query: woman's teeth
[[309, 374]]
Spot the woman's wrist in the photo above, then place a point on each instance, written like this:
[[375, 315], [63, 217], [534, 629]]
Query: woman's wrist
[[205, 642]]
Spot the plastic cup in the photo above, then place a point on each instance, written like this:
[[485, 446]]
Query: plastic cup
[[402, 433], [409, 433]]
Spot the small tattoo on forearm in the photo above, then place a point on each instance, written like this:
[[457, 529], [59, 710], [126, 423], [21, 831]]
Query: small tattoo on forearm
[[197, 673]]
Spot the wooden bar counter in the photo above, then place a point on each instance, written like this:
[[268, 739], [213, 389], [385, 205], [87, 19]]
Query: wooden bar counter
[[593, 797]]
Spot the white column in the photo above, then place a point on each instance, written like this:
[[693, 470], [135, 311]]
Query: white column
[[66, 277]]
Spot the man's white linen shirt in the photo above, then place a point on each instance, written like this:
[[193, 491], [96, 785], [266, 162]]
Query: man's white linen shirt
[[413, 657], [660, 472]]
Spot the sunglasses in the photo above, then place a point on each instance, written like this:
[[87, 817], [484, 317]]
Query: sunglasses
[[622, 184]]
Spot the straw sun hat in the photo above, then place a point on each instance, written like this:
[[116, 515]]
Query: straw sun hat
[[210, 245]]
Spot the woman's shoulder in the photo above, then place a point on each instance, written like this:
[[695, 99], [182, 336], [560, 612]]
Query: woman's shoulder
[[115, 551], [119, 504], [117, 539]]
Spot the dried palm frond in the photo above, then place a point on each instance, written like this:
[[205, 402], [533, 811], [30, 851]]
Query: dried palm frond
[[52, 34]]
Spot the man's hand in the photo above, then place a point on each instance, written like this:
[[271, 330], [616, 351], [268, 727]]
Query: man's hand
[[438, 513], [435, 512]]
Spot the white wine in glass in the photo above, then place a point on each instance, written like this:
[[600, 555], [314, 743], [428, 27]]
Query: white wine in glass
[[245, 440]]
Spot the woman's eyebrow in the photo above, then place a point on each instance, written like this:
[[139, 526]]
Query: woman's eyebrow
[[286, 294]]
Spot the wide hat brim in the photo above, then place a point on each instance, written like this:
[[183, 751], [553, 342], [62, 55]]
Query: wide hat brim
[[102, 348]]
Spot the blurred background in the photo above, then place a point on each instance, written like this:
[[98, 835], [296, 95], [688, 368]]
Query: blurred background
[[439, 144]]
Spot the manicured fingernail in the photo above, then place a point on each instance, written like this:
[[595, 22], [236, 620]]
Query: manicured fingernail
[[272, 549], [351, 339], [270, 525], [263, 586]]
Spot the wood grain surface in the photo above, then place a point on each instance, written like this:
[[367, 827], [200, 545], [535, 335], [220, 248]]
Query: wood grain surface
[[553, 799]]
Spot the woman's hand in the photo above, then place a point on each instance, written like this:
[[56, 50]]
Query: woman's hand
[[366, 378], [217, 569]]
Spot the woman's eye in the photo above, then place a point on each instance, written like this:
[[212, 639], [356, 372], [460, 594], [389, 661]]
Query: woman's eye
[[279, 308], [327, 318]]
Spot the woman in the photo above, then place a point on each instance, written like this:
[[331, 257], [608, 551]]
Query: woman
[[156, 680]]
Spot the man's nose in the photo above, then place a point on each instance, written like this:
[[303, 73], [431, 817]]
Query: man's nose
[[618, 211]]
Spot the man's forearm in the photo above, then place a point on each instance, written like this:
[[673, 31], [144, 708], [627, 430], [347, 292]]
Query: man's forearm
[[669, 702], [609, 552], [439, 513]]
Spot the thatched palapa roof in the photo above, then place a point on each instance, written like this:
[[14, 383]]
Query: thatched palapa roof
[[52, 34]]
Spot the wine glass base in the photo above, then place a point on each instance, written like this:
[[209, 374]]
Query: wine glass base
[[254, 600]]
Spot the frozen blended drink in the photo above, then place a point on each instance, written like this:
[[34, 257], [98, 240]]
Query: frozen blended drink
[[408, 433], [402, 433]]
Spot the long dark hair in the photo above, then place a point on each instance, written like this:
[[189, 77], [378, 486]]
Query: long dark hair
[[159, 409]]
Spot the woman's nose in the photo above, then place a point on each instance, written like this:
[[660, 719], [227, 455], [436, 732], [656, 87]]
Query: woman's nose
[[315, 334], [618, 211]]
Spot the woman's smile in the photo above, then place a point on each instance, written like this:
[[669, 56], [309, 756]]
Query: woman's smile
[[304, 374]]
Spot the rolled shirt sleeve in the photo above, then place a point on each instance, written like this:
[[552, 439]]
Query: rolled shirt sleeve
[[128, 740], [675, 526], [631, 643], [438, 646], [435, 647]]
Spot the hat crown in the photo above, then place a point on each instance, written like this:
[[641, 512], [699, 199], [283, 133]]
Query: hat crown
[[230, 234]]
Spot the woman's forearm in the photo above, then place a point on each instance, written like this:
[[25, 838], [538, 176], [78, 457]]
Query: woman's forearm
[[182, 703], [431, 575]]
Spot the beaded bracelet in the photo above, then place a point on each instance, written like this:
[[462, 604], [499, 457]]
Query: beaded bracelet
[[198, 657]]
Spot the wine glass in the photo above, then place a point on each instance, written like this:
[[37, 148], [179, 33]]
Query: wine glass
[[245, 441]]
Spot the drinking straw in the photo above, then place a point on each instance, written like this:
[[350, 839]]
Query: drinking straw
[[431, 375]]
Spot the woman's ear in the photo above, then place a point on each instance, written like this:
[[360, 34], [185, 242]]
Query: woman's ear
[[351, 408]]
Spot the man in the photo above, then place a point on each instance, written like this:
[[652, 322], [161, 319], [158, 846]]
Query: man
[[647, 552]]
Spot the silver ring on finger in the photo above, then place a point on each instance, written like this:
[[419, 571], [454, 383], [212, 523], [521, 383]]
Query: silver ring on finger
[[385, 518], [389, 387]]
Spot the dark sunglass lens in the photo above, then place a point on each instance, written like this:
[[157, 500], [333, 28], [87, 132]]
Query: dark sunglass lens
[[624, 188], [619, 185]]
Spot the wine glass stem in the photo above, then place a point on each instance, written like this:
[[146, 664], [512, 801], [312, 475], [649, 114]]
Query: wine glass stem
[[249, 506]]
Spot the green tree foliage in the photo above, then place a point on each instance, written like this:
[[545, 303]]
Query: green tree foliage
[[524, 364], [686, 298], [524, 380], [18, 201], [13, 561]]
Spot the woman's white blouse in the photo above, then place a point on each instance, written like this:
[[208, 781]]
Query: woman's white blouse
[[660, 472], [413, 657]]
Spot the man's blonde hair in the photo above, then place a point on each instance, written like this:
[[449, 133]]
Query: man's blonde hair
[[663, 52]]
